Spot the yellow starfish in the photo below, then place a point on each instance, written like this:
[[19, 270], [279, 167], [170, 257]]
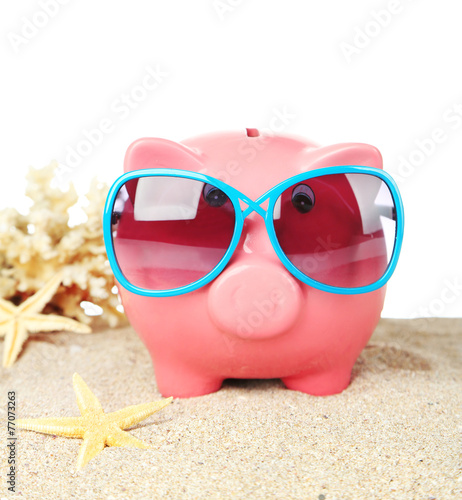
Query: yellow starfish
[[95, 427], [17, 321]]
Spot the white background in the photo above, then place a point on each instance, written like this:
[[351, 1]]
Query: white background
[[384, 73]]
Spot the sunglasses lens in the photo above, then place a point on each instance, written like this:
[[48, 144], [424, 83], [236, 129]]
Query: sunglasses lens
[[338, 229], [169, 232]]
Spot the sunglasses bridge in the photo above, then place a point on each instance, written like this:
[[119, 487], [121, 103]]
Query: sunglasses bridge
[[253, 206]]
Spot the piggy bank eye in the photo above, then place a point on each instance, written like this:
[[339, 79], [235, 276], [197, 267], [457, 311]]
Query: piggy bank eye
[[214, 196], [115, 218], [302, 198]]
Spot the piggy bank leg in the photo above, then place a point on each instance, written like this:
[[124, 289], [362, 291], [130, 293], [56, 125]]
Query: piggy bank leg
[[321, 383], [181, 381]]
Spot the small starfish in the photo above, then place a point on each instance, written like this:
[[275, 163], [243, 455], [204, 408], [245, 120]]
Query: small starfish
[[17, 321], [95, 427]]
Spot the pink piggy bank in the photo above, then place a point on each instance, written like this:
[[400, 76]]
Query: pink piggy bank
[[250, 255]]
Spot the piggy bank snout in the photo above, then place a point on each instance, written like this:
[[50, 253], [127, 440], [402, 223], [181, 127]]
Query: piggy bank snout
[[255, 301]]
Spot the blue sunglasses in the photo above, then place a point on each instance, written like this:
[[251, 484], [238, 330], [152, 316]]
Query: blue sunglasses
[[338, 229]]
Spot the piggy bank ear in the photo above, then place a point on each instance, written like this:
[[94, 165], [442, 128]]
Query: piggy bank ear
[[160, 153], [346, 154]]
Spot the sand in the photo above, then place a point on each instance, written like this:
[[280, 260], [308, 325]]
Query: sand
[[395, 433]]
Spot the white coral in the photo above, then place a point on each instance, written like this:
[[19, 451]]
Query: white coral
[[34, 246]]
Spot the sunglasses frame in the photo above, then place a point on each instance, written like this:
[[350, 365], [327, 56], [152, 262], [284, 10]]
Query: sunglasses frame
[[236, 197]]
